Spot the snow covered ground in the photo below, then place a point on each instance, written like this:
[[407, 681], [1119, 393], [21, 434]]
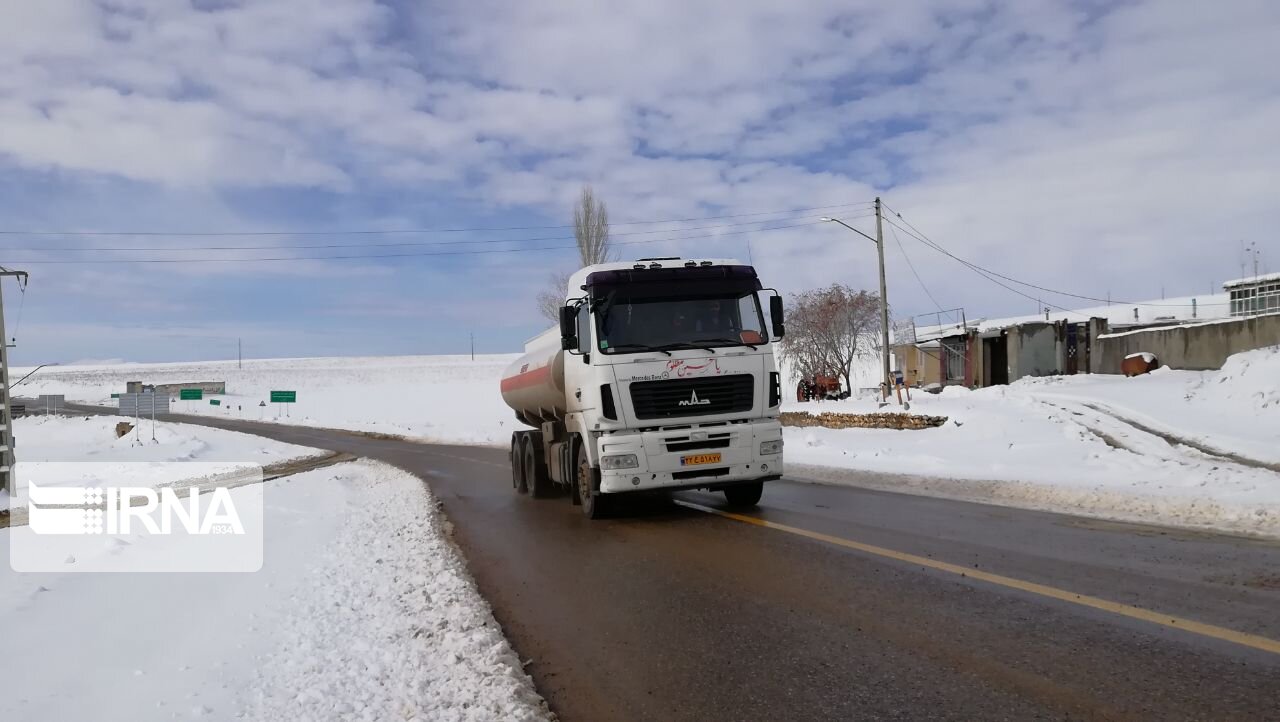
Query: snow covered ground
[[1093, 444], [441, 398], [363, 610], [93, 438], [1086, 444]]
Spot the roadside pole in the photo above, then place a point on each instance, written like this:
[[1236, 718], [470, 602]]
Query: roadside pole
[[884, 304], [6, 410]]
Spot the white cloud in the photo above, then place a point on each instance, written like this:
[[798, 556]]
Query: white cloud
[[1085, 145]]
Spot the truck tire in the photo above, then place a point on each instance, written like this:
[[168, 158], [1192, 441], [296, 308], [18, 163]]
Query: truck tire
[[586, 485], [535, 469], [517, 463], [747, 494]]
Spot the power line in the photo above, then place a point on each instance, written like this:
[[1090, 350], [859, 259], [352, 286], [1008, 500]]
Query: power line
[[973, 267], [399, 244], [393, 231], [920, 236], [123, 261], [913, 268]]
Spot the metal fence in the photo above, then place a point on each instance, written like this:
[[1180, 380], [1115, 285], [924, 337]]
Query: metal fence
[[147, 404]]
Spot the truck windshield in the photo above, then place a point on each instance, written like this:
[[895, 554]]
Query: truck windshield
[[626, 324]]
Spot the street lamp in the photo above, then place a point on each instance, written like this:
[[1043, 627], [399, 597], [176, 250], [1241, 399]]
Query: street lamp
[[884, 295]]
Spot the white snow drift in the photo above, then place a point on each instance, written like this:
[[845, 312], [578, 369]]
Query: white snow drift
[[93, 438], [363, 610]]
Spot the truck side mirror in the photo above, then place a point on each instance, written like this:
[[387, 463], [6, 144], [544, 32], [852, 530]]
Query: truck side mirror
[[775, 315], [568, 328]]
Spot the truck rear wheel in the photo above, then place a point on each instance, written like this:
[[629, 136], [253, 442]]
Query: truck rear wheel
[[535, 468], [585, 485], [747, 494], [517, 463]]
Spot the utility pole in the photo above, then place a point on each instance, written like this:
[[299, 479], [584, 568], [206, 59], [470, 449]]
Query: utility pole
[[6, 410], [884, 295], [473, 346], [884, 303]]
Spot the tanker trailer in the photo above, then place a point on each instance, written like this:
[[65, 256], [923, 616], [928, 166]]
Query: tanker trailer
[[660, 376]]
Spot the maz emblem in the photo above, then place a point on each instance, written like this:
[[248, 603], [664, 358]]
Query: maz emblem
[[695, 401]]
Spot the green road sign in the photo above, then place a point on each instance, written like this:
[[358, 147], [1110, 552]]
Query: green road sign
[[215, 402], [190, 394], [115, 396], [284, 397]]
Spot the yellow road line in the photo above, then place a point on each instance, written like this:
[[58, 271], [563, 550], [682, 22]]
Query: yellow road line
[[1084, 600]]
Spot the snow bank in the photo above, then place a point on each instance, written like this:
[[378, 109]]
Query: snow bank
[[390, 626], [1235, 409], [1188, 505], [1249, 380], [93, 438], [1082, 444], [363, 610]]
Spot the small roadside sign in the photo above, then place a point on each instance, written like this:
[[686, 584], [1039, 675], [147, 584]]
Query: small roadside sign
[[215, 402], [115, 396], [190, 394], [284, 397]]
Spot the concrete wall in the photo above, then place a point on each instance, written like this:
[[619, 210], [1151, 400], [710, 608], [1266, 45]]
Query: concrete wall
[[1196, 347], [1033, 350]]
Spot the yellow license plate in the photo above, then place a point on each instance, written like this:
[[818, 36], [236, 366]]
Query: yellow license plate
[[698, 459]]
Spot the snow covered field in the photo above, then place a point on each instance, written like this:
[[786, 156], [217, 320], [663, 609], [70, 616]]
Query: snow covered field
[[93, 438], [1093, 444], [441, 398], [1087, 444], [363, 610]]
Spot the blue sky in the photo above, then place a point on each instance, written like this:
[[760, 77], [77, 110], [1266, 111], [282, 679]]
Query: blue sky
[[1094, 147]]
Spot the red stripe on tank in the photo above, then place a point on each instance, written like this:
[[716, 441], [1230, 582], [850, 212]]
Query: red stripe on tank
[[532, 377]]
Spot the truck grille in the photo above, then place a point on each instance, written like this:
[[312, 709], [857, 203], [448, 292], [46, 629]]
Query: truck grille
[[693, 397]]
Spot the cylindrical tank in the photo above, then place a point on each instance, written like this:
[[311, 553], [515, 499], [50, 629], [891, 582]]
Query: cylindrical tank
[[533, 385]]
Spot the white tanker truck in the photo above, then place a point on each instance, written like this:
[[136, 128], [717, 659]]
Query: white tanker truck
[[660, 375]]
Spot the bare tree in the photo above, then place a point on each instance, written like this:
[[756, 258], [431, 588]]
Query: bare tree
[[591, 228], [550, 300], [828, 329]]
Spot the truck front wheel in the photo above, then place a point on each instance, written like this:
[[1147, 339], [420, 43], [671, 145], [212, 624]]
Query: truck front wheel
[[585, 486], [747, 494]]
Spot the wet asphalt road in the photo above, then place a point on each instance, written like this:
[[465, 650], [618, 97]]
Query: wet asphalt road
[[670, 613]]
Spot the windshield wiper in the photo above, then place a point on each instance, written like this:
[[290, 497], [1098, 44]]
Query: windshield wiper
[[729, 341], [700, 345], [638, 347]]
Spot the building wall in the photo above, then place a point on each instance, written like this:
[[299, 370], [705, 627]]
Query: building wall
[[1195, 347], [974, 364], [1033, 350], [919, 366]]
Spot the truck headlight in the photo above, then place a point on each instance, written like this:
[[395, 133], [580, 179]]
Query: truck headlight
[[768, 448], [619, 461]]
